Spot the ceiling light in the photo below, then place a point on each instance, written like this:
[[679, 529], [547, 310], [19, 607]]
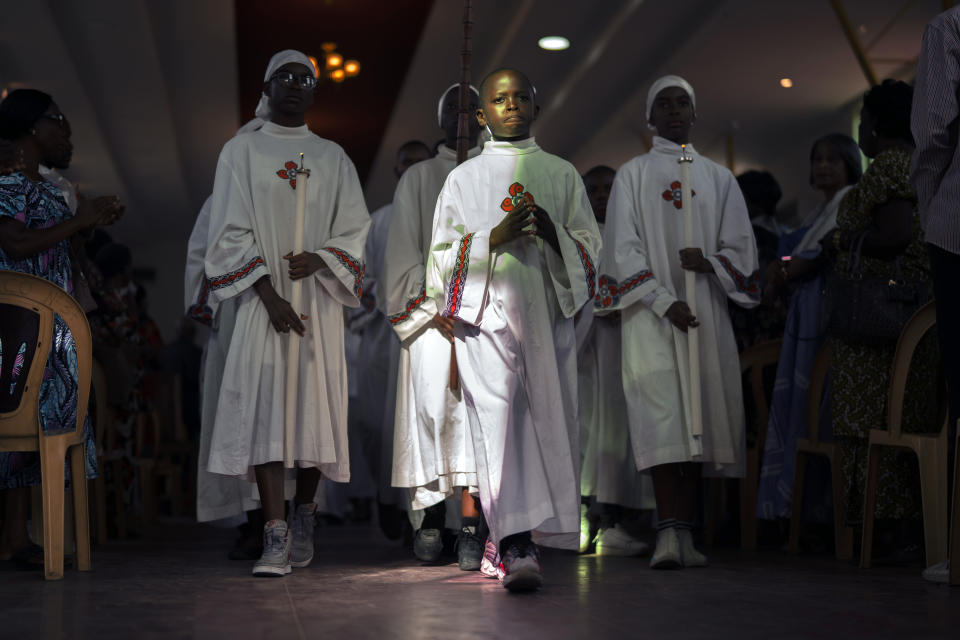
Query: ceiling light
[[553, 43], [786, 83]]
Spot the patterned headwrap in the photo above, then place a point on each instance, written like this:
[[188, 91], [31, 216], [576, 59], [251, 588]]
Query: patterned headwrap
[[663, 83]]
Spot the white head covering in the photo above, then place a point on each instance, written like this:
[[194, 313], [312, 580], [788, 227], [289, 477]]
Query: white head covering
[[663, 83], [444, 95], [278, 60]]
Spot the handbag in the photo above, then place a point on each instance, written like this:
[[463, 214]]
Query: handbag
[[870, 310]]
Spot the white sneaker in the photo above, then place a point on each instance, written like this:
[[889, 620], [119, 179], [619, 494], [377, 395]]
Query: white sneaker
[[584, 529], [939, 573], [689, 555], [521, 568], [301, 533], [275, 560], [667, 553], [615, 541]]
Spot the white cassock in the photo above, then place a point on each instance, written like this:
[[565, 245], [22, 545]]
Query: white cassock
[[432, 448], [252, 220], [608, 472], [515, 340], [642, 277], [375, 363]]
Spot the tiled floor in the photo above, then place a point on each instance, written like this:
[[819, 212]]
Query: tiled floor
[[179, 584]]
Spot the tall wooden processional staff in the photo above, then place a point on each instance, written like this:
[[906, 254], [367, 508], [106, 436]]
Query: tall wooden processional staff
[[463, 135]]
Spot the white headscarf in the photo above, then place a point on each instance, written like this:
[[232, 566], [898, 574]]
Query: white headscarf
[[663, 83], [278, 60], [444, 95]]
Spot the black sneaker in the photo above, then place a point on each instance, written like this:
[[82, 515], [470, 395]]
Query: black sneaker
[[469, 551]]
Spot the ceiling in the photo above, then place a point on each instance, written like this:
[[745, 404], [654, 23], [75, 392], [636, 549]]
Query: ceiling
[[153, 88]]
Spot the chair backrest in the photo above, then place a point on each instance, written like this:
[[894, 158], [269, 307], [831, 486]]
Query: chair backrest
[[20, 426], [818, 379], [913, 332], [754, 360]]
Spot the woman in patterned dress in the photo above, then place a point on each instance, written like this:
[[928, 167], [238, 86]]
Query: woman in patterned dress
[[35, 229], [883, 206]]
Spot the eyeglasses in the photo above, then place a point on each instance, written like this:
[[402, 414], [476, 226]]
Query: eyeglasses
[[59, 117], [291, 80]]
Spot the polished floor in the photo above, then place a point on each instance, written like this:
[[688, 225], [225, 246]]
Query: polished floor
[[178, 583]]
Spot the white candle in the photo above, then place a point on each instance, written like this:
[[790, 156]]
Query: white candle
[[293, 346], [690, 291]]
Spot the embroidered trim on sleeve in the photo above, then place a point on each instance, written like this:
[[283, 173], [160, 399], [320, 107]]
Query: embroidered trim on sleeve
[[352, 265], [588, 269], [459, 279], [743, 283], [610, 292], [412, 305], [228, 279]]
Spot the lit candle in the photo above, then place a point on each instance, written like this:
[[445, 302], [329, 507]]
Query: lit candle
[[293, 346], [690, 292]]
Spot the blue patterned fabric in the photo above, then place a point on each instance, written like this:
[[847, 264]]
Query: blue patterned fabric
[[803, 336], [41, 206]]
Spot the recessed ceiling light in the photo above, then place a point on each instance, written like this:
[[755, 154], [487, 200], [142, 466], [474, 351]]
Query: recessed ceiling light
[[786, 83], [553, 43]]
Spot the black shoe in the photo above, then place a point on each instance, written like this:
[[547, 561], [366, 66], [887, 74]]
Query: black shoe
[[469, 551], [428, 545]]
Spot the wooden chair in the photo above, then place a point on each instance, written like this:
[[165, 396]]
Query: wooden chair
[[176, 450], [755, 361], [931, 450], [955, 519], [27, 308], [812, 446]]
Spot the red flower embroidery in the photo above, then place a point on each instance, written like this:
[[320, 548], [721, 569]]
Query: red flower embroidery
[[675, 194], [289, 173], [517, 195]]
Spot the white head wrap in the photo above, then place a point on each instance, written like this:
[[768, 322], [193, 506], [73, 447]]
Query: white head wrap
[[663, 83], [444, 95], [278, 60]]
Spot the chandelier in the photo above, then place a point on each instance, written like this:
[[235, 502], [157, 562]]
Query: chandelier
[[333, 66]]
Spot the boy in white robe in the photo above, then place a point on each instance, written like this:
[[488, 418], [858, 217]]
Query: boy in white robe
[[250, 241], [608, 473], [433, 450], [513, 248], [644, 263], [218, 496]]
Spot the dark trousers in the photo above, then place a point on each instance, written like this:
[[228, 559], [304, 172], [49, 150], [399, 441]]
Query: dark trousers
[[946, 288]]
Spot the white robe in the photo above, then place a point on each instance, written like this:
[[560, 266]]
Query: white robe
[[433, 449], [608, 472], [642, 277], [252, 222], [515, 340], [374, 365]]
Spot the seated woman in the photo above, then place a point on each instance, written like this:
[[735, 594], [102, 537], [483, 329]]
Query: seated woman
[[882, 211], [834, 168], [35, 229]]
